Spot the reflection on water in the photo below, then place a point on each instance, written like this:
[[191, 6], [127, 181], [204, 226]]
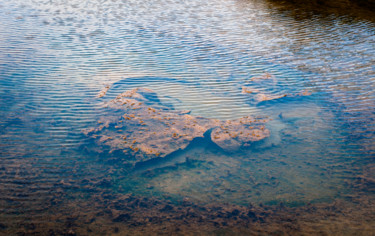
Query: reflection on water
[[312, 77]]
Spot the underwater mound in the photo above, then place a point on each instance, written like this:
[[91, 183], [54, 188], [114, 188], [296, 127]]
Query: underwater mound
[[138, 125]]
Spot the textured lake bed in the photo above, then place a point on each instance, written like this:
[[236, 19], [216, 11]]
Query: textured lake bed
[[172, 117]]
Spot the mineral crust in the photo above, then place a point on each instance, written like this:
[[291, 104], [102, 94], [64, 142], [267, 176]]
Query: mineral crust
[[140, 125]]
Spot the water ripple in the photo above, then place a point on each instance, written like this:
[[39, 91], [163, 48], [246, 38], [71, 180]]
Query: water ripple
[[56, 56]]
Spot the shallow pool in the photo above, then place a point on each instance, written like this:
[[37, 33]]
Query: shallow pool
[[311, 78]]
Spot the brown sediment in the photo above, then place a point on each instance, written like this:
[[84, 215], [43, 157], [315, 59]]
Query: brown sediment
[[249, 90], [304, 93], [233, 134], [265, 76], [89, 206], [167, 130], [105, 213], [260, 96], [103, 92]]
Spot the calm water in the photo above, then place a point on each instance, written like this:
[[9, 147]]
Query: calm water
[[56, 56]]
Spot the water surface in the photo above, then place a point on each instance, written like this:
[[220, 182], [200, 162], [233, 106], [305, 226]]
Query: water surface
[[56, 56]]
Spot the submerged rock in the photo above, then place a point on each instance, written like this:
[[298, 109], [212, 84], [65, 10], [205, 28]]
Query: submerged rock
[[233, 134], [261, 97], [103, 91], [266, 88], [265, 76], [139, 124]]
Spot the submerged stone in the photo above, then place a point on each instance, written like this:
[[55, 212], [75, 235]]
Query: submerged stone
[[140, 125], [103, 91], [233, 134], [270, 89]]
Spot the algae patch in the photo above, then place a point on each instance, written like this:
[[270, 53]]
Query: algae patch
[[138, 124]]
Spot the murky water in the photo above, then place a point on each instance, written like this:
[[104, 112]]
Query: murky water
[[319, 99]]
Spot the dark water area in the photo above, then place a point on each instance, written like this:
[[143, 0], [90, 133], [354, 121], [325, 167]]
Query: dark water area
[[186, 117], [354, 9]]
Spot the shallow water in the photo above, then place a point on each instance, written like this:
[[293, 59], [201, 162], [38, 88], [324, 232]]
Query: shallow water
[[56, 56]]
